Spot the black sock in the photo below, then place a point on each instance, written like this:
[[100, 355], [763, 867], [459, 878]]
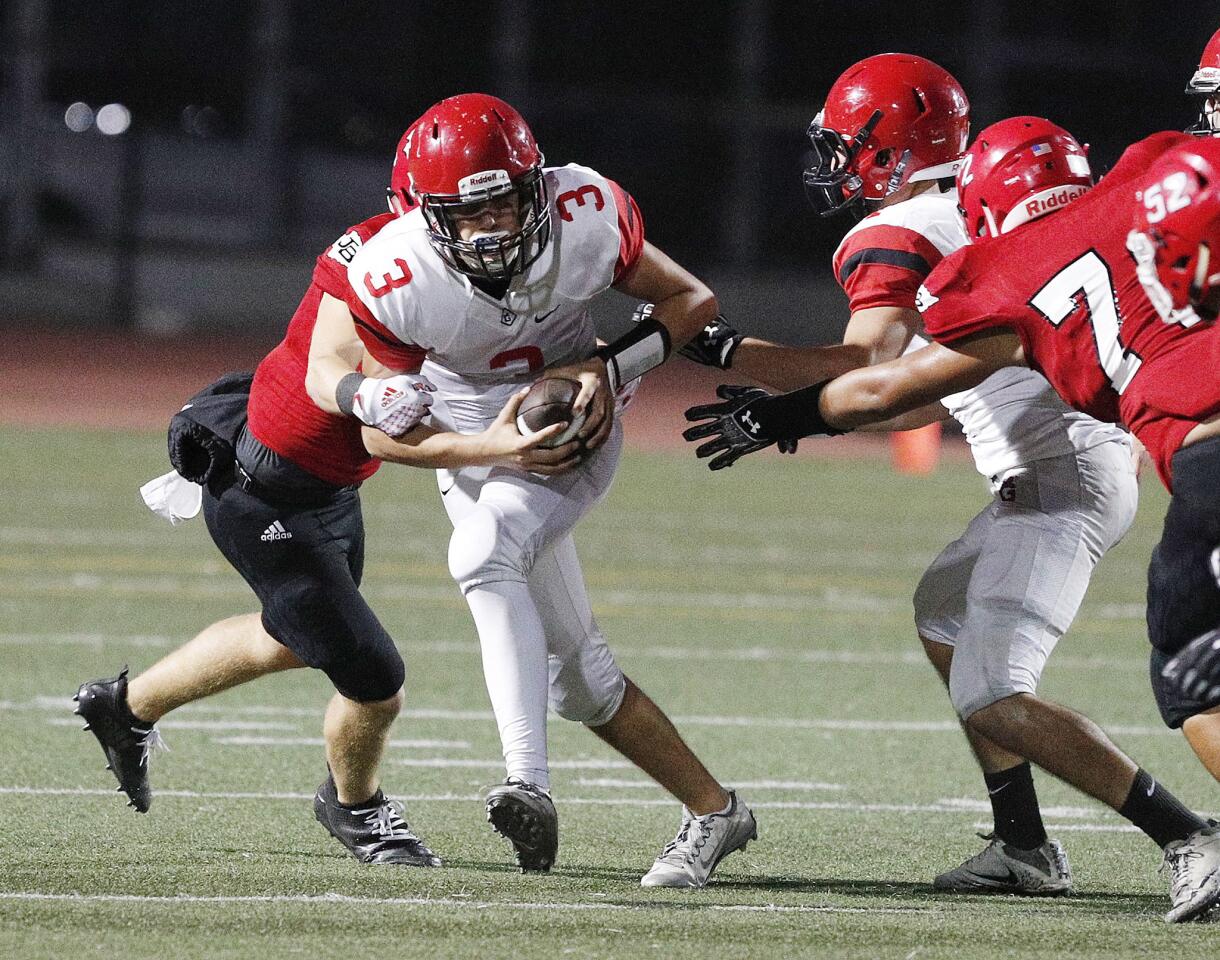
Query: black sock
[[1014, 805], [1158, 812]]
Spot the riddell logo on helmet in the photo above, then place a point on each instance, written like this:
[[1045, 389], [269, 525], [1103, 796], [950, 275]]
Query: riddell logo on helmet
[[483, 180], [1041, 204]]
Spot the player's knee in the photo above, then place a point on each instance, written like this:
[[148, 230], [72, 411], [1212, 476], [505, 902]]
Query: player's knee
[[385, 710], [588, 692], [370, 673], [478, 553]]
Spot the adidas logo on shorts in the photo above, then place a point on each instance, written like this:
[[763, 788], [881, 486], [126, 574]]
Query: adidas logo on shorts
[[275, 532]]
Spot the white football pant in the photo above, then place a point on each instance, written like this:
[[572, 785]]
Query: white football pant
[[1005, 591], [513, 556]]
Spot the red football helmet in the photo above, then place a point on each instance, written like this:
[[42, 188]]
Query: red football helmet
[[1018, 170], [1204, 87], [398, 193], [463, 152], [889, 120], [1177, 228]]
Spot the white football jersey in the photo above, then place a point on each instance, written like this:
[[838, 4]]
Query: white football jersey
[[479, 349], [1014, 416]]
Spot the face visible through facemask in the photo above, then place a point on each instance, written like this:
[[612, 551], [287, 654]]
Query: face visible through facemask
[[489, 220]]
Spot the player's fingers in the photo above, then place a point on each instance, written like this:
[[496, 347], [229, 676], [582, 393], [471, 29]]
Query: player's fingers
[[705, 410], [702, 430], [508, 414], [588, 390], [712, 446], [536, 441], [731, 391], [724, 460], [595, 436], [552, 455]]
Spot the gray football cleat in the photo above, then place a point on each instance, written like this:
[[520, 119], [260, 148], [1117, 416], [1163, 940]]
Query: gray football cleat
[[689, 859], [126, 741], [524, 814], [1003, 868], [1194, 874]]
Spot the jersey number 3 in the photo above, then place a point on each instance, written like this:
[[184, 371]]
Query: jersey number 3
[[1089, 276]]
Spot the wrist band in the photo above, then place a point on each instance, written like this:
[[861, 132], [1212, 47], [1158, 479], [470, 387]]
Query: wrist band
[[636, 352], [345, 392], [791, 416]]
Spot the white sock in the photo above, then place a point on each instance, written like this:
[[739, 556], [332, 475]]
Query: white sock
[[515, 668]]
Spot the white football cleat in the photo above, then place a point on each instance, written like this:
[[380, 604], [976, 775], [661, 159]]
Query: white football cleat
[[702, 842], [1194, 874], [1003, 868]]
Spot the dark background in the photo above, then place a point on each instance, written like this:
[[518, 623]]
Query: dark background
[[261, 129]]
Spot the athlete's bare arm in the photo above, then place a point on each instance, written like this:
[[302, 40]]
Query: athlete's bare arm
[[334, 352], [878, 393], [500, 444], [873, 335], [682, 303]]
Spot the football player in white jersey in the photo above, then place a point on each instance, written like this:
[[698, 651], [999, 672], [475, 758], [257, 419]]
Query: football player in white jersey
[[992, 606], [487, 274]]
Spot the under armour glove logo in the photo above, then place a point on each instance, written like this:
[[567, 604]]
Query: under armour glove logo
[[731, 429], [714, 345]]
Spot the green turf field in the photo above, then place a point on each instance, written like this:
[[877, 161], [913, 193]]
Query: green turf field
[[766, 608]]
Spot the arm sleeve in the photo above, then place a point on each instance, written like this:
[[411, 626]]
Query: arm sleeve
[[883, 266], [630, 231]]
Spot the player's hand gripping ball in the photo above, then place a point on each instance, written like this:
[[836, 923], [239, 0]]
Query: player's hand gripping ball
[[550, 401]]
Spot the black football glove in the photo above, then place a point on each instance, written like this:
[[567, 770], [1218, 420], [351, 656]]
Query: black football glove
[[714, 345], [752, 419], [732, 429], [1195, 671]]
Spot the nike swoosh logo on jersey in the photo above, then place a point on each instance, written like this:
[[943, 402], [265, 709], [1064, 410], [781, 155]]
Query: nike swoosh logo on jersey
[[544, 316]]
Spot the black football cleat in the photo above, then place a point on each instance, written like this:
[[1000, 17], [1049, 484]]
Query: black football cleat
[[126, 741], [373, 833], [524, 814]]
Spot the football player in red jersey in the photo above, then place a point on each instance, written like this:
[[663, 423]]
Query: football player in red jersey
[[886, 144], [487, 277], [1204, 88], [1063, 292], [287, 517]]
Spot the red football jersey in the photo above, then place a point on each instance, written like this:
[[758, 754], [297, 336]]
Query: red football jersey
[[282, 415], [1066, 285]]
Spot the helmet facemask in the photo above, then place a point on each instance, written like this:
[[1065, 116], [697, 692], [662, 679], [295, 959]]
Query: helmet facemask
[[500, 256], [833, 183], [1208, 124]]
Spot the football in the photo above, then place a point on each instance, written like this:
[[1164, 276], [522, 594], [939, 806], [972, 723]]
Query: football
[[550, 401]]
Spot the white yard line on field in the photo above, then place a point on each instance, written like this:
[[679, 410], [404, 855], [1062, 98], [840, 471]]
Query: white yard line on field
[[182, 724], [330, 899], [735, 784], [771, 723], [811, 655], [953, 807], [820, 599], [319, 742]]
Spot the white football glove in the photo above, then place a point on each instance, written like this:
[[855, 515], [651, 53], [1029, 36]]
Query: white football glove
[[394, 405]]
